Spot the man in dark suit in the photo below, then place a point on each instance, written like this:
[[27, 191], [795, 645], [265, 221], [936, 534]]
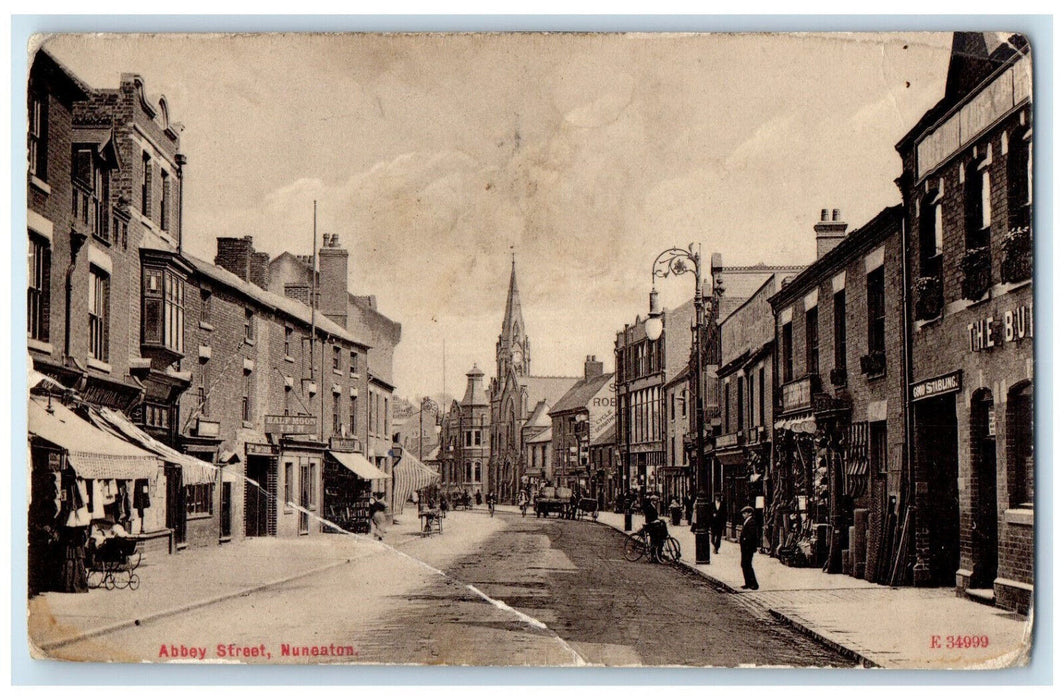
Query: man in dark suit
[[747, 546]]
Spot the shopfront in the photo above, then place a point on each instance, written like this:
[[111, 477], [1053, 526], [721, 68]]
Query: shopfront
[[82, 476], [349, 481]]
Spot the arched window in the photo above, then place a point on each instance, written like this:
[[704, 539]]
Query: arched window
[[1019, 419], [931, 235]]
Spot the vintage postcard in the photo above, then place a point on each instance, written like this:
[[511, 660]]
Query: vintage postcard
[[531, 349]]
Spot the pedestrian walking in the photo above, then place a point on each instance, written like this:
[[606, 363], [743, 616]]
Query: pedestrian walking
[[688, 507], [491, 503], [376, 515], [747, 546], [675, 511], [718, 518]]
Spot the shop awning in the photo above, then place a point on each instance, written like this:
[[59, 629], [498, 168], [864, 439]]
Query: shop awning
[[358, 465], [193, 471], [801, 423], [91, 452], [410, 475]]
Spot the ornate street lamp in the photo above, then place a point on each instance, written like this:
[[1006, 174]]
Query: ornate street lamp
[[677, 261]]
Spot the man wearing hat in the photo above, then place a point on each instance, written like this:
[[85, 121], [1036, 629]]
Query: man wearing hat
[[747, 546]]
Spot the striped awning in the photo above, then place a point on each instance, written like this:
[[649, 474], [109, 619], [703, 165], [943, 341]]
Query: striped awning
[[801, 423], [193, 471], [410, 475], [93, 453]]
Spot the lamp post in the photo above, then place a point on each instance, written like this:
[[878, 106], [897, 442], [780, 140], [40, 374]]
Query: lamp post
[[677, 261]]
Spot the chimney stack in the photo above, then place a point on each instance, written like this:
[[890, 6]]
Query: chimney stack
[[234, 255], [332, 279], [592, 368], [829, 231]]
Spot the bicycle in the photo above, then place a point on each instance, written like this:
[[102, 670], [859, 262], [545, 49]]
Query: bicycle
[[637, 544]]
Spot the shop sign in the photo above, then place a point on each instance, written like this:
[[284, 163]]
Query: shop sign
[[55, 461], [292, 424], [1015, 325], [728, 440], [259, 449], [991, 426], [345, 444], [945, 384], [797, 394], [207, 428]]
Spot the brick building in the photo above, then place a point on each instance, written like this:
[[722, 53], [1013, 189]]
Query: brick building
[[536, 440], [837, 480], [742, 447], [106, 321], [464, 449], [966, 188], [675, 473], [279, 402], [579, 414]]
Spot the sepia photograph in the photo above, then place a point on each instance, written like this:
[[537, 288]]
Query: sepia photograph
[[530, 349]]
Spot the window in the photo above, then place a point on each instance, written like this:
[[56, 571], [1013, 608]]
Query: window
[[289, 484], [354, 363], [1019, 419], [931, 236], [726, 422], [164, 202], [750, 400], [163, 320], [976, 205], [37, 140], [99, 313], [787, 352], [145, 185], [245, 401], [353, 418], [199, 499], [336, 358], [387, 418], [1018, 174], [840, 329], [38, 292], [739, 404], [337, 415], [287, 341], [812, 340], [91, 193], [205, 389], [877, 317], [761, 396], [205, 305], [249, 325]]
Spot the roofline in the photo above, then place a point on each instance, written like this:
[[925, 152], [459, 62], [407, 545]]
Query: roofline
[[879, 227], [916, 132], [748, 299]]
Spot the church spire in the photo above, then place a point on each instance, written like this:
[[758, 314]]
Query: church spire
[[513, 343]]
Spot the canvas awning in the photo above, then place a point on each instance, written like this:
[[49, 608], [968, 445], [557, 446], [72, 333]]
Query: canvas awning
[[91, 452], [193, 470], [358, 465], [410, 475], [800, 423]]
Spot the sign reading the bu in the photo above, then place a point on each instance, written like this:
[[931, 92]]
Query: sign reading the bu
[[291, 424]]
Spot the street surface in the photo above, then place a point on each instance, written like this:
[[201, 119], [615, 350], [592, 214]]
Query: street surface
[[489, 591]]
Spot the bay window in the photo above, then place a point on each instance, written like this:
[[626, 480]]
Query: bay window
[[163, 318]]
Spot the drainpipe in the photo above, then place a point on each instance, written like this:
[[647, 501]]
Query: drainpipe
[[77, 240]]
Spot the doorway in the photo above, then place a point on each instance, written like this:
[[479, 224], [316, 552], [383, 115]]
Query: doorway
[[304, 498], [175, 504], [257, 497], [984, 490], [936, 454], [225, 511]]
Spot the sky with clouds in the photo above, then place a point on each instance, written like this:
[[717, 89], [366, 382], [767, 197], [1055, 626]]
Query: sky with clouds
[[435, 157]]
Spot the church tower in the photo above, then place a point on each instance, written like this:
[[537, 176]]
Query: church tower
[[512, 349]]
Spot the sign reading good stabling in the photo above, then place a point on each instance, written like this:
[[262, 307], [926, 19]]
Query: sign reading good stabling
[[345, 444], [286, 425], [259, 449], [945, 384]]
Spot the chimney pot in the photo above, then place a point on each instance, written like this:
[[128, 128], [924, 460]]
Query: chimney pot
[[835, 214], [823, 214]]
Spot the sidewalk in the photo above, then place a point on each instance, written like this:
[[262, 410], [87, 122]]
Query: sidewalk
[[876, 625], [199, 576]]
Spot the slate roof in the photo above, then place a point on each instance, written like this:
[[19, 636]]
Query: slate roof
[[581, 393]]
